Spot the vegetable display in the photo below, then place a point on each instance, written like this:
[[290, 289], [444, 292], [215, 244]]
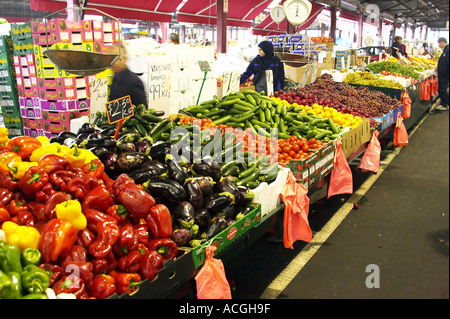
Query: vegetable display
[[410, 71], [367, 78]]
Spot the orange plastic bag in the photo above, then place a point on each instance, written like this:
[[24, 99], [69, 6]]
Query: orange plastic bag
[[400, 133], [211, 281], [406, 101], [296, 201], [341, 180], [371, 158]]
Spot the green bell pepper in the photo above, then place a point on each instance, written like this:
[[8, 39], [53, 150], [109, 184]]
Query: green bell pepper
[[34, 280], [35, 296], [16, 279], [30, 256], [10, 258], [6, 286]]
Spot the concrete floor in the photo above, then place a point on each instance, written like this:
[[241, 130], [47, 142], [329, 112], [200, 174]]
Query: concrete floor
[[398, 238]]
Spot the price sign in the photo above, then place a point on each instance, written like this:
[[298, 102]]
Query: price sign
[[231, 82], [306, 75], [269, 82], [204, 66], [314, 72], [99, 96], [348, 62], [119, 109]]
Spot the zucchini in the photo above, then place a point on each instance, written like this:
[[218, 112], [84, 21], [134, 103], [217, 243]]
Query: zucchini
[[152, 118], [250, 178]]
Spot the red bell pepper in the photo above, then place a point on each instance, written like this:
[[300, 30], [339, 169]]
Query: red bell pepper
[[23, 145], [126, 282], [159, 221], [43, 195], [77, 253], [93, 217], [5, 196], [98, 198], [151, 263], [53, 271], [127, 242], [34, 179], [80, 269], [37, 210], [55, 199], [57, 238], [103, 286], [118, 211], [6, 181], [60, 179], [104, 265], [130, 262], [166, 247], [85, 238], [16, 206], [142, 232], [137, 201], [94, 168], [71, 285], [4, 215], [24, 218], [51, 163], [107, 235], [81, 185]]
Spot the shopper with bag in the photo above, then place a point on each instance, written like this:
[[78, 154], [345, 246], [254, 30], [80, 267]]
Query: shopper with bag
[[443, 75], [397, 47], [266, 60]]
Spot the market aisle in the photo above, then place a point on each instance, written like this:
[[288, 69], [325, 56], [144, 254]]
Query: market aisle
[[402, 227]]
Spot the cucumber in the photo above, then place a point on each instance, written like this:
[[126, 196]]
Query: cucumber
[[261, 124], [244, 117], [333, 126], [241, 108], [251, 99], [226, 118], [246, 104], [262, 115]]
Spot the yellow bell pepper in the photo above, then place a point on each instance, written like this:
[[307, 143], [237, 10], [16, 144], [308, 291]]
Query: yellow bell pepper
[[21, 236], [70, 211], [44, 140], [63, 150], [53, 148], [7, 158], [89, 156], [76, 156], [4, 136], [18, 169]]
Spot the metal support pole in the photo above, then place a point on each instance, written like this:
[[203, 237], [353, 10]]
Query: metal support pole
[[221, 27]]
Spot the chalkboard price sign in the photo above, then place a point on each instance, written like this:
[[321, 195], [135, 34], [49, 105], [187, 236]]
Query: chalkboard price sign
[[119, 109]]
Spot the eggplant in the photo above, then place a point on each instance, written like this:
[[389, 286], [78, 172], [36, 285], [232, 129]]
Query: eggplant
[[158, 151], [176, 171], [95, 136], [226, 185], [109, 131], [64, 135], [142, 146], [202, 218], [246, 197], [230, 221], [86, 128], [229, 212], [140, 176], [194, 193], [110, 161], [122, 146], [82, 136], [184, 212], [129, 161], [166, 188], [216, 225], [219, 202], [129, 137], [105, 141], [100, 152], [206, 167], [206, 184], [158, 166], [181, 236]]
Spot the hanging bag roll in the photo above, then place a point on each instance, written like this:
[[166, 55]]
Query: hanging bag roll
[[371, 158], [341, 179], [400, 133]]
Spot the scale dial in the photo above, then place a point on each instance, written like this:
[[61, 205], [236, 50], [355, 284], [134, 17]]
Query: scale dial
[[297, 11], [277, 14]]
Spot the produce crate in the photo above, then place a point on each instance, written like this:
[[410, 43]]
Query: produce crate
[[311, 169], [385, 121], [227, 236], [353, 139], [173, 273]]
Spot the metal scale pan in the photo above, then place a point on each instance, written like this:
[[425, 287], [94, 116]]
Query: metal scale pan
[[291, 59], [81, 62]]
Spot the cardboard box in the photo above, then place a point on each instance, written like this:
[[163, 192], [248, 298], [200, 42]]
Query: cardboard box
[[353, 139], [21, 31], [66, 105], [32, 113], [296, 74], [323, 46], [57, 94]]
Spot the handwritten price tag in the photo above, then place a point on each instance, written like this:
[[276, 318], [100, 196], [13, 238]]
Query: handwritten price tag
[[306, 75], [269, 81], [119, 109], [231, 81], [99, 96]]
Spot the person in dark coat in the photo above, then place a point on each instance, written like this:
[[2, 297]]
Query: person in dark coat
[[397, 47], [125, 82], [443, 75], [266, 60]]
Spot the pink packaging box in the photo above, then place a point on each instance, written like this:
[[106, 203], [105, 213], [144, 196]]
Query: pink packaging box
[[31, 113], [83, 104], [66, 105], [32, 123], [60, 25], [58, 83], [58, 94]]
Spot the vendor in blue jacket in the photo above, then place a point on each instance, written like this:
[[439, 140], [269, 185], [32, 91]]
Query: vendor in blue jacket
[[266, 60]]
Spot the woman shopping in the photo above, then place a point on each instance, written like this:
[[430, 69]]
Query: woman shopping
[[266, 60]]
